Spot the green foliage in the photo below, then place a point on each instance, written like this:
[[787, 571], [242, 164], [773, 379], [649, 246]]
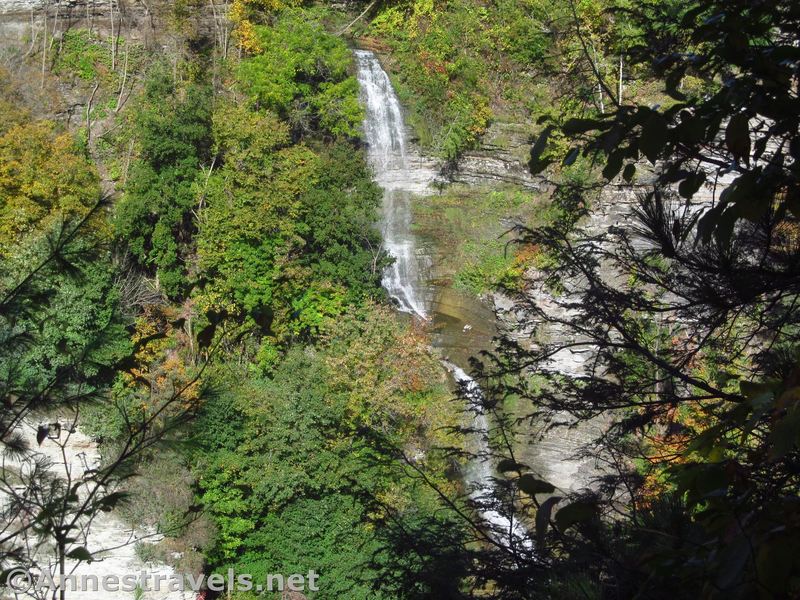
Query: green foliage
[[85, 57], [44, 181], [389, 380], [249, 226], [80, 55], [439, 56], [694, 137], [286, 235], [62, 340], [240, 221], [490, 266], [60, 323], [460, 64], [301, 74], [70, 329], [289, 469], [342, 243], [723, 472], [324, 534], [173, 128], [473, 226]]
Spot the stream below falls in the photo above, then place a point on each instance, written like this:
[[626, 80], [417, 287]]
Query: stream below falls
[[461, 325]]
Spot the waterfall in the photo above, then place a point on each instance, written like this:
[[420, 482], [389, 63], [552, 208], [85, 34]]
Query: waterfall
[[480, 472], [402, 174]]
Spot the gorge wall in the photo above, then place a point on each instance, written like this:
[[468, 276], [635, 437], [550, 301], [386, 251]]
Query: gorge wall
[[500, 159], [140, 21]]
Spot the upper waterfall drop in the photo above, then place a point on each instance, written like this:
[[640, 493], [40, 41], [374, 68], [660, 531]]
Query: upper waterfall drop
[[401, 173], [383, 125]]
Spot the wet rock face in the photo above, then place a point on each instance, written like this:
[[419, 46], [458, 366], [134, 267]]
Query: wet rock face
[[555, 454]]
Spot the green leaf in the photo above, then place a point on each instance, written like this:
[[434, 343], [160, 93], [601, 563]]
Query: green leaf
[[532, 486], [576, 126], [706, 440], [42, 433], [206, 335], [689, 20], [759, 395], [774, 564], [709, 221], [785, 434], [737, 136], [109, 502], [80, 553], [724, 226], [732, 560], [654, 137], [535, 164], [576, 512], [747, 199], [713, 479], [613, 165], [629, 173], [141, 343], [570, 158], [673, 81], [508, 464], [689, 186]]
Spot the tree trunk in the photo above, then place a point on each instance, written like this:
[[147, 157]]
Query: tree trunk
[[89, 115], [124, 78], [113, 45], [62, 566], [44, 45], [599, 84]]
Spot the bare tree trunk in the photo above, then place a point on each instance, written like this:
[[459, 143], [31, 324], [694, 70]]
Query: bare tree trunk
[[190, 336], [89, 115], [619, 90], [353, 22], [62, 565], [120, 23], [226, 32], [113, 44], [44, 45], [55, 27], [599, 84], [217, 44], [33, 36], [175, 64], [124, 78], [216, 26]]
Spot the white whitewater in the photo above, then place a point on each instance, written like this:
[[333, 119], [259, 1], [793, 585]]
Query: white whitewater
[[402, 174], [480, 472]]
